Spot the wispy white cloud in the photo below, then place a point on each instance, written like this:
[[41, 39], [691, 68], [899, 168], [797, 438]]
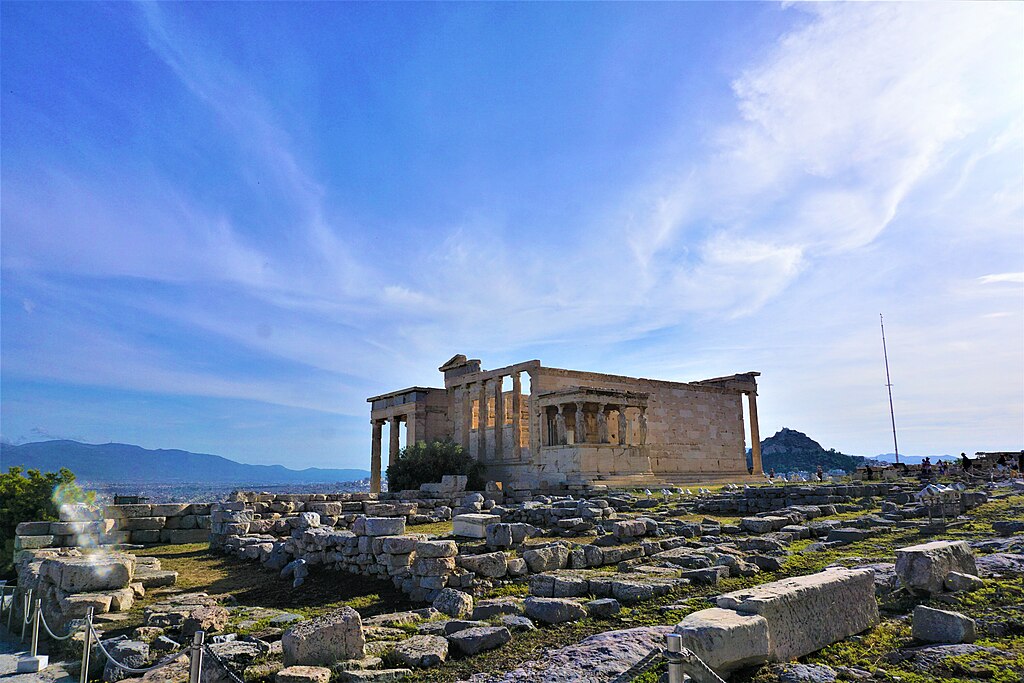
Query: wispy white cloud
[[1002, 277]]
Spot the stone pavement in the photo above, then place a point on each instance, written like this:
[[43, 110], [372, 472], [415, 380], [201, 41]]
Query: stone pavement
[[11, 649]]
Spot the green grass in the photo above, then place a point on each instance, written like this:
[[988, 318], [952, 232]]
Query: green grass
[[434, 529]]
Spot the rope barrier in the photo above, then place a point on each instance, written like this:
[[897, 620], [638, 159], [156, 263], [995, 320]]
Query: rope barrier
[[220, 662], [170, 659], [648, 662], [42, 618]]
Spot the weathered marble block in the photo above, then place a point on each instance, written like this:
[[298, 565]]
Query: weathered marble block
[[806, 613], [473, 525], [924, 567], [324, 640], [726, 640]]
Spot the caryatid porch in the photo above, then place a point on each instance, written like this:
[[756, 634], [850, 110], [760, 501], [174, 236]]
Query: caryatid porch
[[587, 433]]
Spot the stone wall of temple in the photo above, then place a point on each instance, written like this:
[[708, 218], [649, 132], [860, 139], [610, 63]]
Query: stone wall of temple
[[691, 428]]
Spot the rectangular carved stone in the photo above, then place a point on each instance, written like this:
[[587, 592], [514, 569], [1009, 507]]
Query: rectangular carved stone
[[473, 525], [924, 567], [726, 640], [806, 613]]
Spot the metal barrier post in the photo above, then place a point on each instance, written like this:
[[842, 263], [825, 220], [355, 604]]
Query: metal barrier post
[[674, 643], [35, 628], [10, 611], [26, 601], [83, 677], [195, 656]]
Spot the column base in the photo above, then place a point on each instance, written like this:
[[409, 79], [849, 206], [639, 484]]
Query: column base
[[32, 665]]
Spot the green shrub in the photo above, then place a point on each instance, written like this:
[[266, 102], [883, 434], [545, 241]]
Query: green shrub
[[424, 463], [30, 497]]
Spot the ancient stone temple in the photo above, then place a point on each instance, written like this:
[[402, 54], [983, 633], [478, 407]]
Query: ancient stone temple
[[574, 427]]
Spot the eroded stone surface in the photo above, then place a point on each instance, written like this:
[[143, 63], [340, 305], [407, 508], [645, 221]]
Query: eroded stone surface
[[325, 639]]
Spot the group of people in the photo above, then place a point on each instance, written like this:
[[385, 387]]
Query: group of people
[[943, 468]]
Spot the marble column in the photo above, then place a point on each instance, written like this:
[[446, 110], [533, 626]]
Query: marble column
[[623, 427], [375, 449], [642, 427], [755, 434], [499, 418], [481, 423], [467, 414], [393, 444], [602, 424], [517, 417], [580, 431]]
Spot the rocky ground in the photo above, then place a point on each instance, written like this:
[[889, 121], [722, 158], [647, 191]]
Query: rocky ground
[[589, 623]]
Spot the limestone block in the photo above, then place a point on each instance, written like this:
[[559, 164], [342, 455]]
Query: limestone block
[[169, 509], [76, 606], [806, 613], [433, 566], [421, 651], [303, 674], [603, 608], [554, 610], [940, 626], [437, 549], [473, 640], [491, 565], [32, 529], [726, 640], [499, 535], [924, 567], [124, 511], [142, 523], [547, 559], [324, 640], [486, 609], [399, 545], [957, 582], [145, 536], [473, 525], [108, 571], [517, 567], [453, 603], [34, 542], [130, 653], [385, 526], [181, 536]]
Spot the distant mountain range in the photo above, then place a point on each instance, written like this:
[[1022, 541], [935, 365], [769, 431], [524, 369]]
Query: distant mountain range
[[124, 463]]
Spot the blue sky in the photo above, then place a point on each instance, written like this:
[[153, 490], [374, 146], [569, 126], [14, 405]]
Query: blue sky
[[224, 225]]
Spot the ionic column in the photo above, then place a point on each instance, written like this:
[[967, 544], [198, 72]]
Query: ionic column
[[642, 426], [602, 424], [481, 422], [560, 426], [499, 418], [755, 434], [517, 409], [375, 444], [623, 426], [580, 431], [467, 415], [393, 444]]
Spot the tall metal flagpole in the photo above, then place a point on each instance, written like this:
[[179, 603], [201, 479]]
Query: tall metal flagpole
[[888, 383]]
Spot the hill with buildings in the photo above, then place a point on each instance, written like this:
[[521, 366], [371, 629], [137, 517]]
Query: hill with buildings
[[125, 463]]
